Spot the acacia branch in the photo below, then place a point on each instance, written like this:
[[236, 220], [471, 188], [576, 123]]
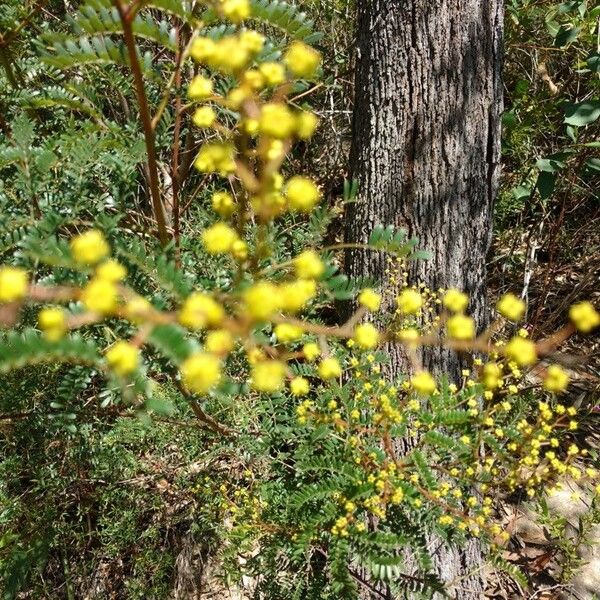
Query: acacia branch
[[127, 16]]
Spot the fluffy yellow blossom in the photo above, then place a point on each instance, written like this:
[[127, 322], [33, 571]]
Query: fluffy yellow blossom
[[137, 308], [200, 310], [239, 250], [584, 316], [112, 271], [329, 368], [219, 341], [236, 10], [253, 79], [219, 238], [268, 375], [369, 299], [123, 358], [409, 302], [286, 332], [522, 351], [205, 116], [455, 300], [277, 121], [299, 386], [89, 247], [366, 336], [556, 379], [200, 88], [223, 204], [309, 265], [100, 296], [273, 73], [306, 124], [511, 307], [311, 351], [201, 372], [202, 49], [216, 157], [52, 322], [295, 295], [236, 97], [409, 335], [461, 327], [302, 194], [302, 60], [252, 41], [261, 300], [492, 374], [423, 383], [13, 283]]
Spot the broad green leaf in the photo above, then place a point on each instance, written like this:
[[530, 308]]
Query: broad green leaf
[[582, 113]]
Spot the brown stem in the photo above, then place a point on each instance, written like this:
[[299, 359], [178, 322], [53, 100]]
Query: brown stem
[[127, 16], [175, 161]]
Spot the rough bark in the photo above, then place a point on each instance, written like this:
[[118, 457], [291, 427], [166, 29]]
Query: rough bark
[[426, 144]]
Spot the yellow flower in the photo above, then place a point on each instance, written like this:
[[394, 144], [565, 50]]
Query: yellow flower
[[423, 383], [309, 265], [286, 332], [302, 194], [366, 336], [253, 79], [200, 88], [252, 41], [299, 386], [219, 341], [522, 351], [302, 60], [268, 375], [369, 299], [223, 204], [204, 117], [273, 73], [556, 379], [492, 374], [276, 121], [219, 238], [261, 300], [295, 295], [306, 124], [461, 327], [202, 49], [239, 250], [311, 351], [230, 54], [137, 308], [584, 316], [409, 302], [455, 300], [236, 10], [123, 358], [511, 307], [200, 372], [200, 310], [216, 157], [53, 323], [90, 247], [13, 283], [112, 271], [329, 368], [100, 296]]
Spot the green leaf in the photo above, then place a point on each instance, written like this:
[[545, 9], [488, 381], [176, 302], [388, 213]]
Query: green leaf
[[582, 113], [566, 35], [172, 342], [545, 184], [593, 63]]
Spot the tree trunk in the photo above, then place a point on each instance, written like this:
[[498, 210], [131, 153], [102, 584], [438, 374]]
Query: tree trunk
[[426, 150]]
